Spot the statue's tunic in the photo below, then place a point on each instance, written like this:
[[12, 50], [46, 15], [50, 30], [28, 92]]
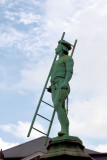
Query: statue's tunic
[[61, 67]]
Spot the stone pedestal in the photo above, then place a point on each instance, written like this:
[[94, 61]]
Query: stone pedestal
[[66, 148]]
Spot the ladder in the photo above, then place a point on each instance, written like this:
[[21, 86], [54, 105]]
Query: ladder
[[42, 101]]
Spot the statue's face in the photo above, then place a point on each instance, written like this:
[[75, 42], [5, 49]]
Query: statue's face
[[59, 49]]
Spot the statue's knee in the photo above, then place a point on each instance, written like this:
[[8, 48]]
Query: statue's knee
[[56, 104], [57, 108]]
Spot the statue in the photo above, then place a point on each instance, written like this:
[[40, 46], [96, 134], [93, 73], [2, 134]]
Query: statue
[[60, 76], [61, 72]]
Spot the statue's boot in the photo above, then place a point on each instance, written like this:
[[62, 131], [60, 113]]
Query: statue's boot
[[64, 131]]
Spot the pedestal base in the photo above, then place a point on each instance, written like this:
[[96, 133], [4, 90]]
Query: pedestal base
[[66, 148]]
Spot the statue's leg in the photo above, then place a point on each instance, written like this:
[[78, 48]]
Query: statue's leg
[[59, 101]]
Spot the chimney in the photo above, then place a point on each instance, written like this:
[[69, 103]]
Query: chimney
[[1, 155]]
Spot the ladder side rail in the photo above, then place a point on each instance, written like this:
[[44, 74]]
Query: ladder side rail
[[73, 47], [71, 56], [34, 117], [41, 97], [63, 35], [49, 127]]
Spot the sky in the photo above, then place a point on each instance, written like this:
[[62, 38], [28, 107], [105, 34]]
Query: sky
[[29, 33]]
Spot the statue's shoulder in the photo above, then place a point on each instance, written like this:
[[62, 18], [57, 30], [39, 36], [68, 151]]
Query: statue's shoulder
[[67, 59]]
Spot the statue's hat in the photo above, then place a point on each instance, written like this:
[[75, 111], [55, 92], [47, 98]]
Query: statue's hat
[[65, 43]]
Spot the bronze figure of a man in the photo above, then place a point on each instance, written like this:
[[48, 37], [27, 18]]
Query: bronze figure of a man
[[60, 76]]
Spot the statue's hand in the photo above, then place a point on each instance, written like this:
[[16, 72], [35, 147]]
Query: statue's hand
[[64, 86], [49, 89]]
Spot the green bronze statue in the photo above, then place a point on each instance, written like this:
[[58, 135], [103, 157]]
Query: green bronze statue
[[60, 76]]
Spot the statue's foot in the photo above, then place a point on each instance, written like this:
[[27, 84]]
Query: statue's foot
[[61, 133]]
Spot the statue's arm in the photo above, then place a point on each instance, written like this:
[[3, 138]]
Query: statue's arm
[[69, 71], [68, 77]]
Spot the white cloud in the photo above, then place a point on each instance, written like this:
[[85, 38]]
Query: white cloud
[[32, 78], [89, 118], [28, 18], [101, 148], [5, 145], [22, 17], [2, 70], [21, 130], [10, 37], [3, 1], [10, 15], [30, 43], [81, 18]]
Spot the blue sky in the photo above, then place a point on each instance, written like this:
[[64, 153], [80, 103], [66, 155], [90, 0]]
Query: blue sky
[[29, 32]]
